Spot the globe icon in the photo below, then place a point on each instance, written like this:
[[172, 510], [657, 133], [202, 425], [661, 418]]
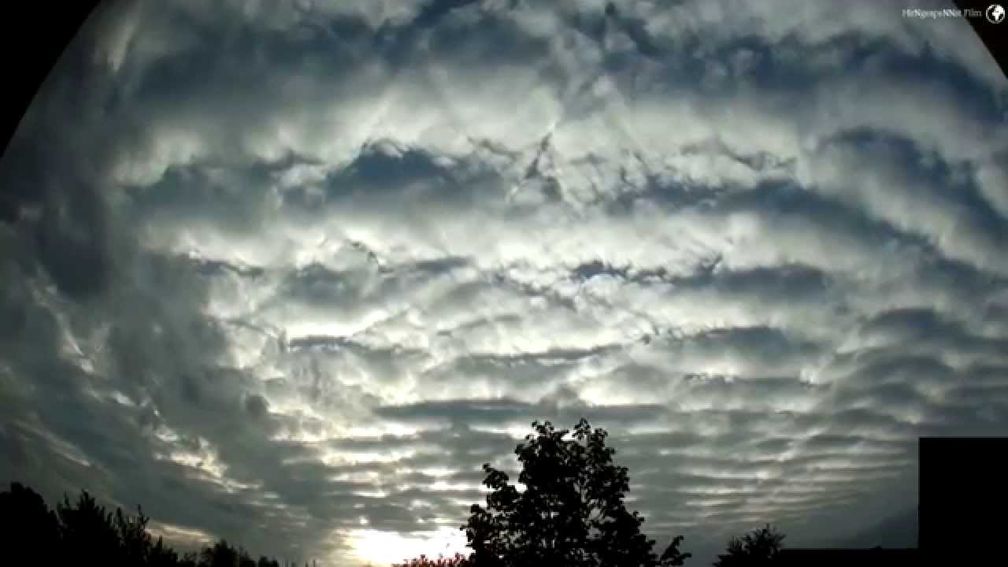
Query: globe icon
[[995, 13]]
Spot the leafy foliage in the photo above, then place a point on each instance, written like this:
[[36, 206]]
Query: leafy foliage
[[457, 560], [755, 549], [571, 513], [84, 532]]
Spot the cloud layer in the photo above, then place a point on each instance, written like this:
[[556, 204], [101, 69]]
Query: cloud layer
[[289, 272]]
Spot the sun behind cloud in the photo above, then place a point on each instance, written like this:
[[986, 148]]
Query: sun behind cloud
[[378, 547]]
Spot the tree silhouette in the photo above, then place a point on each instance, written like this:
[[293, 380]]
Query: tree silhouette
[[28, 529], [161, 555], [87, 531], [457, 560], [134, 541], [755, 549], [222, 554], [267, 562], [84, 532], [571, 513]]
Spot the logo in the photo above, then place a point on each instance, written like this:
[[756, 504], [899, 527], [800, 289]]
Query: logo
[[995, 13]]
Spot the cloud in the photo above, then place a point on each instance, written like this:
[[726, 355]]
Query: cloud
[[289, 272]]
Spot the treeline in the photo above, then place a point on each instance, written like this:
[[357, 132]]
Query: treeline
[[82, 532], [571, 513]]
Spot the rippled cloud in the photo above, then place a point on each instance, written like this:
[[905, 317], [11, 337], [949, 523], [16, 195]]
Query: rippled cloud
[[289, 272]]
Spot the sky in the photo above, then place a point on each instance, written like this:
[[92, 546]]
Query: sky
[[288, 272]]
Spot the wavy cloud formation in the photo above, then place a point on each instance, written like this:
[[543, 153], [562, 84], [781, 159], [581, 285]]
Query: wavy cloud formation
[[289, 272]]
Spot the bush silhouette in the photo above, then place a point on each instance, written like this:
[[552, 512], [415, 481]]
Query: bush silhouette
[[755, 549], [571, 513]]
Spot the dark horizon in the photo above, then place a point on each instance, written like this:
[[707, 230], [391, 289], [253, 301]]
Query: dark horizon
[[960, 486]]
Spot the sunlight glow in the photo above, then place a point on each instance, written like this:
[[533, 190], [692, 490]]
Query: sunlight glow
[[379, 547]]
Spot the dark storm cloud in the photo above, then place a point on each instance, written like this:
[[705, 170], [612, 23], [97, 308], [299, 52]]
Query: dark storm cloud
[[291, 272]]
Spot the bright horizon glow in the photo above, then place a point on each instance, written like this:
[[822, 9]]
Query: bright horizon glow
[[379, 547]]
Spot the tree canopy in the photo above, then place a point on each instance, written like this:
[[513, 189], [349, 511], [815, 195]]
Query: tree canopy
[[572, 511], [757, 548]]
